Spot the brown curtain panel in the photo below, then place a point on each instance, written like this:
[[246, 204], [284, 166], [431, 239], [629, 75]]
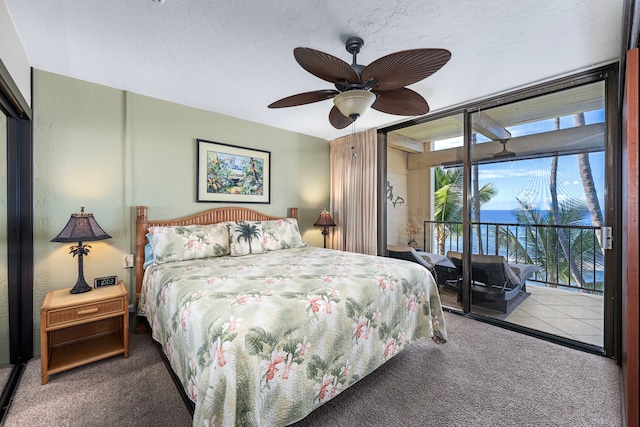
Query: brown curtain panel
[[354, 192]]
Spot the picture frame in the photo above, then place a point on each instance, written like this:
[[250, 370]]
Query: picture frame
[[230, 174]]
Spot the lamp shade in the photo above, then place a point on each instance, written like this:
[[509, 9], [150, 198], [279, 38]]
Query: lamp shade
[[82, 227], [354, 103], [324, 220]]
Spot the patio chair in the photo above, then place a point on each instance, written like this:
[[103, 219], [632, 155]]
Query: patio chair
[[445, 270], [408, 253], [493, 280], [478, 276]]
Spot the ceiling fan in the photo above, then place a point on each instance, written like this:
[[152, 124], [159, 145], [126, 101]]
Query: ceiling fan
[[504, 154], [379, 85]]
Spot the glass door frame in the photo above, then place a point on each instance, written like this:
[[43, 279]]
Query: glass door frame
[[19, 214], [612, 216]]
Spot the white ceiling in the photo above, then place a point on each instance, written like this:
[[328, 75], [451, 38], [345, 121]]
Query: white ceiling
[[236, 57]]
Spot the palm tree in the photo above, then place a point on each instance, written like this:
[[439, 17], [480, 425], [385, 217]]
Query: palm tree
[[540, 243], [447, 211], [561, 233], [248, 232], [253, 181], [555, 213], [447, 200], [480, 196], [475, 207], [584, 166]]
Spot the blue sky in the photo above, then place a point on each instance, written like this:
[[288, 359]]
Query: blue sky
[[530, 178]]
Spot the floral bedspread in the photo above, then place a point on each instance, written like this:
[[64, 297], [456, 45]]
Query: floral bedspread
[[262, 340]]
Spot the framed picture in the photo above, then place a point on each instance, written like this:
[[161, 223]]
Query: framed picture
[[230, 174]]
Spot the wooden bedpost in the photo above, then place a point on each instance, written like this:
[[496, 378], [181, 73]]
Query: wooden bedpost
[[293, 213], [141, 241]]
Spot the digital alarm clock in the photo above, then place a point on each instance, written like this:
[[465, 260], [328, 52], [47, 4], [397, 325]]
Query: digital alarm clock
[[99, 282]]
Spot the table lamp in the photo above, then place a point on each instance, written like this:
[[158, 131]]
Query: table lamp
[[325, 221], [81, 227]]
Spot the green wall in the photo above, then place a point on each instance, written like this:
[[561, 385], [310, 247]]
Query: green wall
[[111, 150]]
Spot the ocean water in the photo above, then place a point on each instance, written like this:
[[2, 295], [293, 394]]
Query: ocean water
[[503, 216], [500, 217], [509, 217]]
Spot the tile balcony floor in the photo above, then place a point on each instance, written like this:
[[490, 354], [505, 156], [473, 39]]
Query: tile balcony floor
[[574, 315], [568, 314]]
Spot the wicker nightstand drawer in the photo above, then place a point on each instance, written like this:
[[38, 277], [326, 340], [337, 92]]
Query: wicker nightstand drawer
[[57, 317]]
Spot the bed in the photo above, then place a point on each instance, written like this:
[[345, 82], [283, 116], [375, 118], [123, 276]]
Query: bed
[[263, 338]]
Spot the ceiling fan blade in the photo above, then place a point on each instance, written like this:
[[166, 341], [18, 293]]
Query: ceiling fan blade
[[404, 68], [504, 154], [338, 120], [325, 66], [402, 102], [304, 98]]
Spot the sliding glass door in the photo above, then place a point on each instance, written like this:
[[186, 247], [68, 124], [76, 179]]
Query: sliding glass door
[[511, 201], [537, 207]]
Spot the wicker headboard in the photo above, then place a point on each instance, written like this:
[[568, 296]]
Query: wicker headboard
[[211, 216]]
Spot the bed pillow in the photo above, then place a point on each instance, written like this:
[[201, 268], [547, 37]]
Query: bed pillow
[[185, 242], [148, 252], [246, 238], [281, 234]]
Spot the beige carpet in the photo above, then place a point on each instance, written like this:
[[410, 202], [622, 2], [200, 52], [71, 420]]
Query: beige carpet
[[5, 372], [484, 376], [136, 391]]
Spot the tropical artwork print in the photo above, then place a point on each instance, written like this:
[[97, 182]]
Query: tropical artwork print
[[234, 174]]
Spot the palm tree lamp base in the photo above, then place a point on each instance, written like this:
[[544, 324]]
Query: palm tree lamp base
[[81, 285]]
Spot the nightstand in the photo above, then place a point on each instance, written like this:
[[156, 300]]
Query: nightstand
[[76, 329]]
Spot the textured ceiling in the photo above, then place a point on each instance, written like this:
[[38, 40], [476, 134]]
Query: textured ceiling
[[236, 57]]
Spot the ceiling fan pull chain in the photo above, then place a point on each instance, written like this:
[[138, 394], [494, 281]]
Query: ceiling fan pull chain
[[354, 154]]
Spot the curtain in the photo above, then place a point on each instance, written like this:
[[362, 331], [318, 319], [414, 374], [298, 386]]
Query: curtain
[[354, 192]]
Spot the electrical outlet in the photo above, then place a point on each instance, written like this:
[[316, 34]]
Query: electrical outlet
[[127, 261]]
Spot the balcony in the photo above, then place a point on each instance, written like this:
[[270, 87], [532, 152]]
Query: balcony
[[581, 269], [564, 297]]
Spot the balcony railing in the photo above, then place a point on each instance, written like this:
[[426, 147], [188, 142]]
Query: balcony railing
[[566, 255]]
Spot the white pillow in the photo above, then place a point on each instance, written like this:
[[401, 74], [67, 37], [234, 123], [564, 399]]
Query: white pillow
[[281, 234], [185, 242]]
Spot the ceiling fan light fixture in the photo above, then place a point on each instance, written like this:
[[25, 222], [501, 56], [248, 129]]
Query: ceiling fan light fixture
[[354, 103]]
